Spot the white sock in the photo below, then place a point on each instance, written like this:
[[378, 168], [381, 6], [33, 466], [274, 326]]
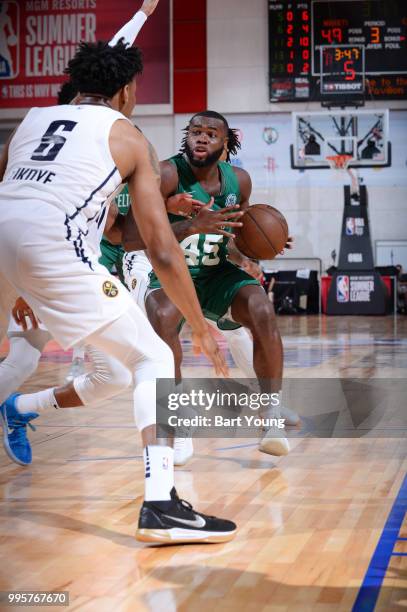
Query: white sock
[[159, 472], [35, 402], [273, 410]]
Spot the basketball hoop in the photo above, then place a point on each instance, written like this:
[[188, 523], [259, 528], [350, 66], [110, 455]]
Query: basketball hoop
[[339, 162]]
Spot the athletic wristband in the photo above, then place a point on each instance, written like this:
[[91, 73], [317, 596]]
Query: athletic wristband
[[130, 31]]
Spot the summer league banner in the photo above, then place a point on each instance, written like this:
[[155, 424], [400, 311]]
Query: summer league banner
[[39, 37], [238, 408]]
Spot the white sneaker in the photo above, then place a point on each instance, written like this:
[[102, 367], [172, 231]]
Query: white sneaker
[[183, 450], [274, 442], [291, 418], [77, 368]]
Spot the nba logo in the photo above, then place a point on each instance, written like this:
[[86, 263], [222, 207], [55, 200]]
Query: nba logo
[[9, 37], [350, 226], [342, 289]]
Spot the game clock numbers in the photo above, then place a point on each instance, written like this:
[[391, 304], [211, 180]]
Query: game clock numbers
[[342, 70], [299, 29], [337, 54]]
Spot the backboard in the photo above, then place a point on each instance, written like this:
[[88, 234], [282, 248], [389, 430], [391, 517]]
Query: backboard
[[363, 134]]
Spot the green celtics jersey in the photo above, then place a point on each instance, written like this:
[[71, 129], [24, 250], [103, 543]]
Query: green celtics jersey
[[122, 201], [111, 254], [204, 251]]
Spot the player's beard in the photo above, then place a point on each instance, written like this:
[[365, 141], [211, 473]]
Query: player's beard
[[202, 163]]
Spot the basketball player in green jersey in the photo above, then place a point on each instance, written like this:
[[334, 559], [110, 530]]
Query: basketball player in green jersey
[[111, 253], [227, 294]]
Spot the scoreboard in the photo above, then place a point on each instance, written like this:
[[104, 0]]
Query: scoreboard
[[342, 71], [367, 36]]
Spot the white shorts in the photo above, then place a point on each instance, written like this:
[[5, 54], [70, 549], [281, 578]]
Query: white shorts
[[46, 258]]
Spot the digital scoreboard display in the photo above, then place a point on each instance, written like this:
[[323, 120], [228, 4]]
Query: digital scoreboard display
[[342, 70], [301, 31]]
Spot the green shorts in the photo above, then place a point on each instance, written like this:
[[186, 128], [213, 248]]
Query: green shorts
[[216, 289], [112, 257]]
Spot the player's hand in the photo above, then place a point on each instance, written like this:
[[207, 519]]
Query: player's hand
[[288, 245], [208, 221], [148, 7], [252, 268], [20, 311], [183, 204], [205, 343]]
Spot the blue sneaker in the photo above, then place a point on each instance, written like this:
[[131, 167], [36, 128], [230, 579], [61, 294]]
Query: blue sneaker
[[14, 424]]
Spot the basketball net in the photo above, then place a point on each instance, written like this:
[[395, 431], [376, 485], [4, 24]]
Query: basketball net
[[340, 163]]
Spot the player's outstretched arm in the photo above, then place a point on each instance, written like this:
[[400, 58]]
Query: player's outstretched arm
[[131, 29], [148, 7], [130, 148]]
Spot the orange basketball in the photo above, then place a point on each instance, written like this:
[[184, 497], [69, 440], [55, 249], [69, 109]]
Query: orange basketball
[[264, 232]]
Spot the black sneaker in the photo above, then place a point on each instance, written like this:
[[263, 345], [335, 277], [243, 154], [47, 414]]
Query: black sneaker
[[175, 521]]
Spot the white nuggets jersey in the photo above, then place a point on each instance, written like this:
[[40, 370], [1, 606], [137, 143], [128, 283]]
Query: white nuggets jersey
[[58, 182], [50, 161]]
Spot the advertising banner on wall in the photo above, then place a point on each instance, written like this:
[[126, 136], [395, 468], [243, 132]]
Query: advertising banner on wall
[[39, 37]]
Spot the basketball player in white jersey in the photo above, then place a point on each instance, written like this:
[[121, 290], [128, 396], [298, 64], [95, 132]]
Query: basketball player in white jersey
[[27, 344], [58, 186], [27, 338]]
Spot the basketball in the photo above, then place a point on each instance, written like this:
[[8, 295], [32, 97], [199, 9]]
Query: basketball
[[264, 232]]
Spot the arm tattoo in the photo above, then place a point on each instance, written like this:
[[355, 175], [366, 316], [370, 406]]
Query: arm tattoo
[[155, 163]]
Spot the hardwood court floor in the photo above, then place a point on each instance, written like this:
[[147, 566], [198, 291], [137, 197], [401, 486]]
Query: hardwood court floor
[[308, 523]]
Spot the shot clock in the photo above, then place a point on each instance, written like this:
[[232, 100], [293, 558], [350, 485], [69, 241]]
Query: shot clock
[[342, 69]]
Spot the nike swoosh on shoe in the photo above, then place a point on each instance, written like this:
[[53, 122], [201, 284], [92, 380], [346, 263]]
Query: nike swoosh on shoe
[[198, 522]]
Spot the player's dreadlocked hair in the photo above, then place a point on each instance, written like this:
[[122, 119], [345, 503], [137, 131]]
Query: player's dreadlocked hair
[[100, 69], [233, 144]]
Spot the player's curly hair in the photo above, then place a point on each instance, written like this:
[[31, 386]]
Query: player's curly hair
[[233, 144], [98, 68], [66, 93]]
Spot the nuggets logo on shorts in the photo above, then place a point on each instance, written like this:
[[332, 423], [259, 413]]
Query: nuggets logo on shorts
[[134, 283], [110, 289]]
